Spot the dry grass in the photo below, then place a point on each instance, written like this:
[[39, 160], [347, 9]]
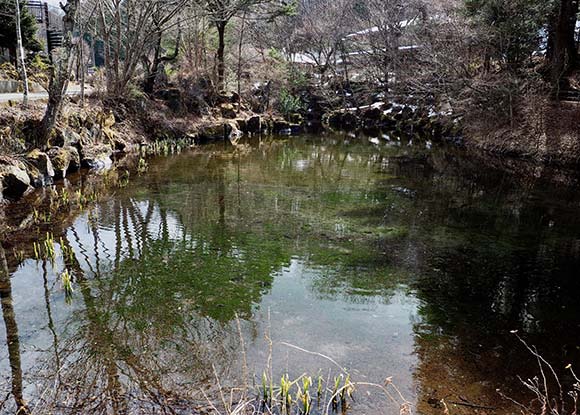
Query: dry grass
[[550, 396], [304, 395]]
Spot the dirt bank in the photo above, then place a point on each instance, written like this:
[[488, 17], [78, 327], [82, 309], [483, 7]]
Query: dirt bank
[[550, 135]]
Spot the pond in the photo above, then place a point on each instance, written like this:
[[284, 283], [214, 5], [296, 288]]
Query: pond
[[395, 259]]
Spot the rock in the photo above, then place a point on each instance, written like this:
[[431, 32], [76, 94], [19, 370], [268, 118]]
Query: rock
[[332, 119], [242, 124], [349, 120], [107, 119], [373, 114], [40, 168], [97, 157], [285, 128], [234, 98], [60, 159], [279, 125], [65, 137], [254, 124], [228, 111], [15, 182], [64, 159], [119, 144], [296, 118], [339, 119], [407, 112], [212, 132], [75, 158], [232, 130]]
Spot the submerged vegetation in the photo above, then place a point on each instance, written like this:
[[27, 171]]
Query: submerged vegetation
[[361, 252], [331, 217]]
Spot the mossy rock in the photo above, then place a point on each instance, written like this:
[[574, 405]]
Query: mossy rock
[[107, 119], [228, 111], [64, 159], [40, 161], [212, 132]]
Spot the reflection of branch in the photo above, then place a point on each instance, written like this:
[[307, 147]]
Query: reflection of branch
[[49, 314]]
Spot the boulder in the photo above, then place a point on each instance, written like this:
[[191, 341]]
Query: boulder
[[254, 124], [65, 137], [64, 159], [341, 119], [280, 125], [75, 158], [228, 111], [285, 128], [212, 132], [97, 157], [40, 168], [14, 180], [349, 120], [372, 114], [232, 131], [242, 124]]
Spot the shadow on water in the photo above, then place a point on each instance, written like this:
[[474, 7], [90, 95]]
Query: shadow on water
[[394, 259]]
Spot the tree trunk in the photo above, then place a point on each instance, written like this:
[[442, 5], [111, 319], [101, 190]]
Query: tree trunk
[[12, 338], [20, 54], [155, 71], [221, 28], [60, 73], [564, 54], [239, 74], [149, 83]]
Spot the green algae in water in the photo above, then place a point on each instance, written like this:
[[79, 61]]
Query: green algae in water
[[379, 256]]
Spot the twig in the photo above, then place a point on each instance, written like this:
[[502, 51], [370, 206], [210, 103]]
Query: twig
[[316, 354]]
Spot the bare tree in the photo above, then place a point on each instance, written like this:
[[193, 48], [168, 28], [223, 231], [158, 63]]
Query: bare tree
[[130, 31], [322, 29], [221, 13], [390, 34], [61, 69], [21, 62]]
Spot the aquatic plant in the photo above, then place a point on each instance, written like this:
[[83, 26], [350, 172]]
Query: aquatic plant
[[49, 251], [142, 167], [18, 254], [67, 286], [294, 397], [67, 252], [285, 386]]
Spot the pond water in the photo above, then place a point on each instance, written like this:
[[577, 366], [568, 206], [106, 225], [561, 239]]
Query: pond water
[[390, 257]]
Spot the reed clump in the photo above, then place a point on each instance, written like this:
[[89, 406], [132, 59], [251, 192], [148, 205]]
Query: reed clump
[[303, 395]]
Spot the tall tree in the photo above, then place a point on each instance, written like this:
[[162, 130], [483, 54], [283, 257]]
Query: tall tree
[[564, 52], [221, 13], [61, 69]]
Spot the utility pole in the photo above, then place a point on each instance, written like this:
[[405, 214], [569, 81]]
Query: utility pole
[[20, 49]]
